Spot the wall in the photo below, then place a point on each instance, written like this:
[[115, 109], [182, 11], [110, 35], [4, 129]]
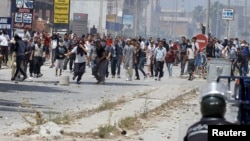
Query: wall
[[179, 29], [5, 8]]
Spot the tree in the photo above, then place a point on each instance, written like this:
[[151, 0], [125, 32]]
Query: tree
[[218, 25], [198, 14]]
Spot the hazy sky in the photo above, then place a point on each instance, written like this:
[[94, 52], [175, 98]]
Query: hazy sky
[[190, 4]]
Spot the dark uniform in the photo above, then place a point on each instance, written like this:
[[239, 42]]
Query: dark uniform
[[199, 130]]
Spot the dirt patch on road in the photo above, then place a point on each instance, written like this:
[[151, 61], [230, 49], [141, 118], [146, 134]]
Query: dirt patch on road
[[128, 128], [132, 126]]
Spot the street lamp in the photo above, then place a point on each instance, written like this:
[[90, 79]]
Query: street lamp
[[207, 16], [228, 21], [217, 18], [101, 17], [245, 16], [136, 12]]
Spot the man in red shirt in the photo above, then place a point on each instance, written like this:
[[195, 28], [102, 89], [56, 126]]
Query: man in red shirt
[[47, 42], [109, 41]]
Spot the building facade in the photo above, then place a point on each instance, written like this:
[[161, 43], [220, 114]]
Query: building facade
[[174, 23], [5, 7]]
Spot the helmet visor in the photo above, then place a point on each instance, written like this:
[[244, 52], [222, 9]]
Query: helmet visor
[[214, 88]]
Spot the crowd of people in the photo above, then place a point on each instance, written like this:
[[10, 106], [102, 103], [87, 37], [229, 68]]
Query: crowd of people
[[136, 55], [234, 50], [148, 56]]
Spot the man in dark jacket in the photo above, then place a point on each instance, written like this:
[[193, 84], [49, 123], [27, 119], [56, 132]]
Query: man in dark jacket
[[61, 49], [241, 63], [20, 49], [225, 42], [115, 56], [165, 44]]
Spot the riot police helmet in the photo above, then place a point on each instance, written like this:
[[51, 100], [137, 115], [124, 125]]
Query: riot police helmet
[[213, 100]]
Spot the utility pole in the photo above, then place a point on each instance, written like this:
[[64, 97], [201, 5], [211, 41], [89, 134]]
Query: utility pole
[[145, 18], [172, 25], [116, 5], [228, 23], [101, 17], [111, 27], [245, 16], [136, 14], [217, 19], [175, 21], [207, 17]]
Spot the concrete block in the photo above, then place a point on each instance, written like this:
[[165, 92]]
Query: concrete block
[[64, 80]]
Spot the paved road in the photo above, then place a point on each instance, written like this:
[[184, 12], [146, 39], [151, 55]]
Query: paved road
[[46, 95]]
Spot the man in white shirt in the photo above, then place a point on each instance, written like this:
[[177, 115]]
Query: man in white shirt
[[38, 34], [142, 44], [197, 55], [159, 56], [26, 35], [89, 45], [190, 59], [4, 44], [218, 49]]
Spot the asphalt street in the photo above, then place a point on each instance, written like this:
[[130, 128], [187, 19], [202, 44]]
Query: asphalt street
[[46, 95]]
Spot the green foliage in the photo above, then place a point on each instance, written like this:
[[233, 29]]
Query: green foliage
[[198, 14], [62, 119], [107, 131], [218, 25], [129, 123]]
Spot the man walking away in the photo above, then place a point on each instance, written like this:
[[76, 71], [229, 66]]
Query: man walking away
[[47, 42], [240, 62], [30, 62], [190, 58], [183, 53], [140, 57], [128, 59], [67, 43], [38, 51], [101, 64], [115, 56], [20, 51], [170, 58], [54, 42], [160, 53], [93, 57]]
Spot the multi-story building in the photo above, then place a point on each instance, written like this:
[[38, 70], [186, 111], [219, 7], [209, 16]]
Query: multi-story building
[[144, 16], [44, 9], [174, 23], [114, 16], [143, 12], [41, 13], [96, 10], [5, 8], [108, 14]]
